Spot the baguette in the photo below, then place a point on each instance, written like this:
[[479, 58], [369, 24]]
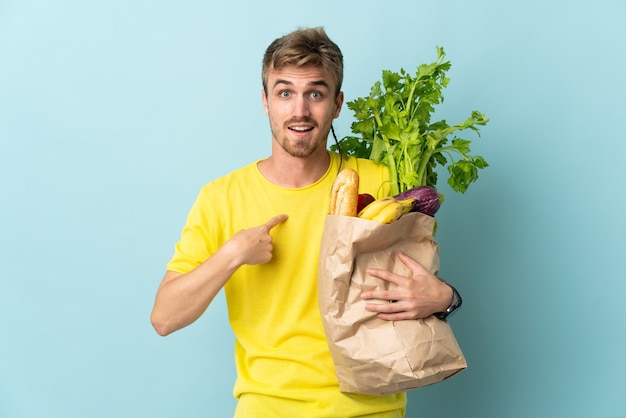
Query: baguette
[[345, 193]]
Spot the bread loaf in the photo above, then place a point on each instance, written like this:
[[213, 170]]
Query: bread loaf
[[345, 193]]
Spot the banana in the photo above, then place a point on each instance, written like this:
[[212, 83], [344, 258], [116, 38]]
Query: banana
[[384, 210], [375, 207], [407, 205], [389, 213]]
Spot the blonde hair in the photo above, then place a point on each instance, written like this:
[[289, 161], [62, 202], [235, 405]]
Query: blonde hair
[[304, 47]]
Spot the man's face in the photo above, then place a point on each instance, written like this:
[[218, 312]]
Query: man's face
[[301, 105]]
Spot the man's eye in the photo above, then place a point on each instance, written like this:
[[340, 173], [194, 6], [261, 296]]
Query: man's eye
[[316, 95], [283, 93]]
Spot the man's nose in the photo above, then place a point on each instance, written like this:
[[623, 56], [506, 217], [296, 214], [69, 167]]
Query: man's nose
[[301, 106]]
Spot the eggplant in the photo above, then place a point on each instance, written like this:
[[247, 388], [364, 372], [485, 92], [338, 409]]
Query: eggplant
[[426, 199]]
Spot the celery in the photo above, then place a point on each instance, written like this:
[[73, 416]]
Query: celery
[[393, 126]]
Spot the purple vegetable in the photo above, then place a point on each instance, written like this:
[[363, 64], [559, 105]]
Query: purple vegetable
[[426, 199]]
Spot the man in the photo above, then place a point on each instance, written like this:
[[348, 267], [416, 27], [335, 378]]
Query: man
[[256, 233]]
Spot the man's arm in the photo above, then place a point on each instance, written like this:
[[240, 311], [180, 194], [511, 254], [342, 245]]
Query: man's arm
[[182, 298]]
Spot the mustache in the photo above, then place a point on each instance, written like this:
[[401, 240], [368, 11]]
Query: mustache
[[305, 119]]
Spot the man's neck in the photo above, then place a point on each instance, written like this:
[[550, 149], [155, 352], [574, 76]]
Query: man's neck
[[292, 172]]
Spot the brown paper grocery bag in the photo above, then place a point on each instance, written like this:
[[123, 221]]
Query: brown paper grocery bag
[[371, 355]]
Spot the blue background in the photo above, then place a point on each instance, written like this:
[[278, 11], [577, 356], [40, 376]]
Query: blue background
[[113, 114]]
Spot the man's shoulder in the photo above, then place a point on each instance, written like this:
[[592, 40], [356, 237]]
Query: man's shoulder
[[363, 165], [239, 175]]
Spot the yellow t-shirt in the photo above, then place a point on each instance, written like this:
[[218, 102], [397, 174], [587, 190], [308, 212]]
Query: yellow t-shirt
[[284, 367]]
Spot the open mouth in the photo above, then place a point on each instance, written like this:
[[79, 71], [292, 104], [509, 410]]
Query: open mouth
[[306, 128], [301, 125]]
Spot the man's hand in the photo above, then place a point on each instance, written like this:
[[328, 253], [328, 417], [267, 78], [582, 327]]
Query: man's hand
[[254, 245], [417, 296]]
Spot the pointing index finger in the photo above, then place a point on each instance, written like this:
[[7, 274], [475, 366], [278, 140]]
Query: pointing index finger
[[275, 221]]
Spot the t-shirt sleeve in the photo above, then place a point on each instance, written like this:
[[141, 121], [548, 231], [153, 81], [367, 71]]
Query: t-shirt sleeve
[[193, 248]]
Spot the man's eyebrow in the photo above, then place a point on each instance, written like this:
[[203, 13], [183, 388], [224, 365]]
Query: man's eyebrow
[[322, 83], [281, 81]]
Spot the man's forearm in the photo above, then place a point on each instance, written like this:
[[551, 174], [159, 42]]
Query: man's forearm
[[183, 298]]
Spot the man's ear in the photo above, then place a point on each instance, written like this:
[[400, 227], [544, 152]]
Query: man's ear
[[338, 104], [264, 99]]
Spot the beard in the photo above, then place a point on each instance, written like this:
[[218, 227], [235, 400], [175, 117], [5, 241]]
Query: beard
[[299, 147]]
